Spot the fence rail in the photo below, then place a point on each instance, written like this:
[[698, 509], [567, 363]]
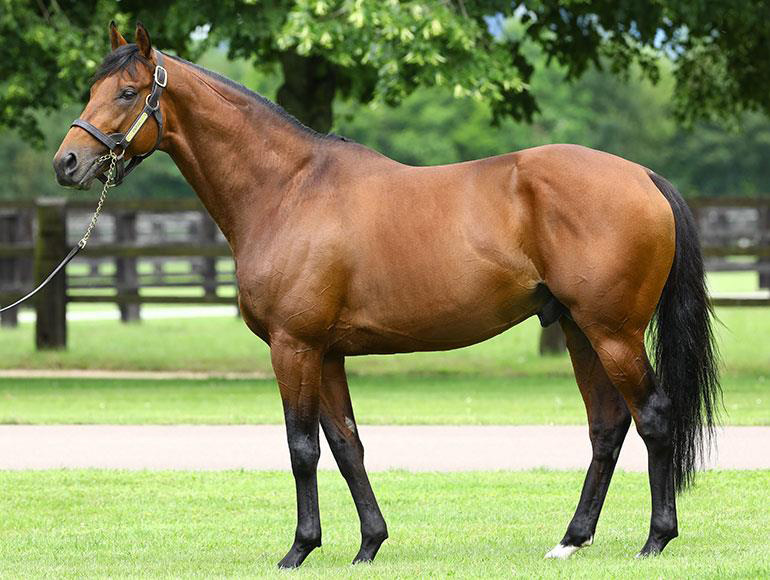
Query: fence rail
[[168, 234]]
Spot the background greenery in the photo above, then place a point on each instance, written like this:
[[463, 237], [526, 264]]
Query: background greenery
[[630, 118]]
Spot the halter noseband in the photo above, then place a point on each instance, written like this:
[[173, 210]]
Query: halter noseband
[[121, 141]]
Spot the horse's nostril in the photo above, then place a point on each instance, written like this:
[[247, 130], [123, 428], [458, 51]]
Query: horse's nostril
[[70, 163]]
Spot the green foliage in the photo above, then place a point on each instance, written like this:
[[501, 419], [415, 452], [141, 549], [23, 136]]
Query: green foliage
[[385, 49], [47, 53], [420, 55]]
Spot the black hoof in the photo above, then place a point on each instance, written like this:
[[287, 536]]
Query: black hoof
[[653, 547], [296, 555], [368, 551], [648, 552]]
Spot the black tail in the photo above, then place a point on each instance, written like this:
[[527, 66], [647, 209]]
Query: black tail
[[686, 358]]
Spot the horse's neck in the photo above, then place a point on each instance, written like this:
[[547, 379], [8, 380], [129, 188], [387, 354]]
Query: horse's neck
[[239, 155]]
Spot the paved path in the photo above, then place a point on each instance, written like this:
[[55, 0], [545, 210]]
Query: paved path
[[424, 448]]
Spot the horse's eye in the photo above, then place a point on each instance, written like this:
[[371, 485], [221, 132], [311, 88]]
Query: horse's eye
[[127, 94]]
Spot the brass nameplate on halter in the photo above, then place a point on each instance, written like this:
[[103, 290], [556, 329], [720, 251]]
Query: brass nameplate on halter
[[135, 128]]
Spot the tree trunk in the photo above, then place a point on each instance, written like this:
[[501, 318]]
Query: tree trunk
[[307, 92]]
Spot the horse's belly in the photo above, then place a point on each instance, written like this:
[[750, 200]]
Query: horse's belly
[[440, 324]]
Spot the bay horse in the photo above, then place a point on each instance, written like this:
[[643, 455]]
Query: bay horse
[[341, 251]]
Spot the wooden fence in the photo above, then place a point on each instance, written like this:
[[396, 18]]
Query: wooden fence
[[162, 234]]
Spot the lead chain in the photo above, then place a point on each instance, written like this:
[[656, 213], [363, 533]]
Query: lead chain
[[108, 183]]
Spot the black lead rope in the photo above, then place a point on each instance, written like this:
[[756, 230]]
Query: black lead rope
[[108, 183], [116, 172], [73, 252]]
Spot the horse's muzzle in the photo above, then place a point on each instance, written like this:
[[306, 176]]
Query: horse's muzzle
[[74, 169]]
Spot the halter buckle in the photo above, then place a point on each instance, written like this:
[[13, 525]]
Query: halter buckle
[[160, 76], [149, 106]]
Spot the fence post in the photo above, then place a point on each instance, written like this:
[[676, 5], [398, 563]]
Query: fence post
[[26, 265], [50, 248], [126, 274], [764, 232], [209, 231], [9, 267], [552, 340]]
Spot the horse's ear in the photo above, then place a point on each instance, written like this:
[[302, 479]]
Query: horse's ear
[[116, 38], [143, 41]]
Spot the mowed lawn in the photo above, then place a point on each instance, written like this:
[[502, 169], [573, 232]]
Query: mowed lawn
[[225, 345], [377, 399], [466, 525], [500, 381]]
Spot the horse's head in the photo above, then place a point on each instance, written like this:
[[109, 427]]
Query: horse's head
[[124, 95]]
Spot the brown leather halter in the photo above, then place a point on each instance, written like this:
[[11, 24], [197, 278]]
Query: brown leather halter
[[117, 143]]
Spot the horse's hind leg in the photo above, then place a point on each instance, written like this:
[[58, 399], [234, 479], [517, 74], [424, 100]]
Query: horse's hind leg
[[608, 420], [341, 431], [624, 359]]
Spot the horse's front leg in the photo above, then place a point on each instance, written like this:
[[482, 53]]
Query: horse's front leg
[[339, 425], [297, 368]]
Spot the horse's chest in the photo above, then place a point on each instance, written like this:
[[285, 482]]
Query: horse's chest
[[300, 299]]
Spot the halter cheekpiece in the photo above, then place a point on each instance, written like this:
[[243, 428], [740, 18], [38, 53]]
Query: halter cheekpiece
[[118, 142]]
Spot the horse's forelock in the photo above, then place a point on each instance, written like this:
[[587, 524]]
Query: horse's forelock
[[124, 57]]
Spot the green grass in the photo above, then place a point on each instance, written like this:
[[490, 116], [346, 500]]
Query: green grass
[[85, 523], [377, 399], [225, 345], [734, 281]]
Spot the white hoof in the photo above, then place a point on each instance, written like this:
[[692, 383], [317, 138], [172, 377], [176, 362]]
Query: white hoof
[[562, 552]]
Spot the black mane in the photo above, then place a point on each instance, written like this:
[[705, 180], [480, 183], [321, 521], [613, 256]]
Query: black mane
[[127, 56]]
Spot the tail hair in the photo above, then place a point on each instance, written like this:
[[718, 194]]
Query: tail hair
[[685, 351]]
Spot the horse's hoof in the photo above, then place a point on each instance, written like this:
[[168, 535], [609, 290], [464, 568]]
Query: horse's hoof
[[648, 552], [369, 548], [289, 562], [294, 558], [361, 560], [562, 552], [655, 544]]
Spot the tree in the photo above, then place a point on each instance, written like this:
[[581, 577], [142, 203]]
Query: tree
[[385, 49]]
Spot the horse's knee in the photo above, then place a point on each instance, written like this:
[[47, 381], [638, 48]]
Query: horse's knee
[[304, 452]]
